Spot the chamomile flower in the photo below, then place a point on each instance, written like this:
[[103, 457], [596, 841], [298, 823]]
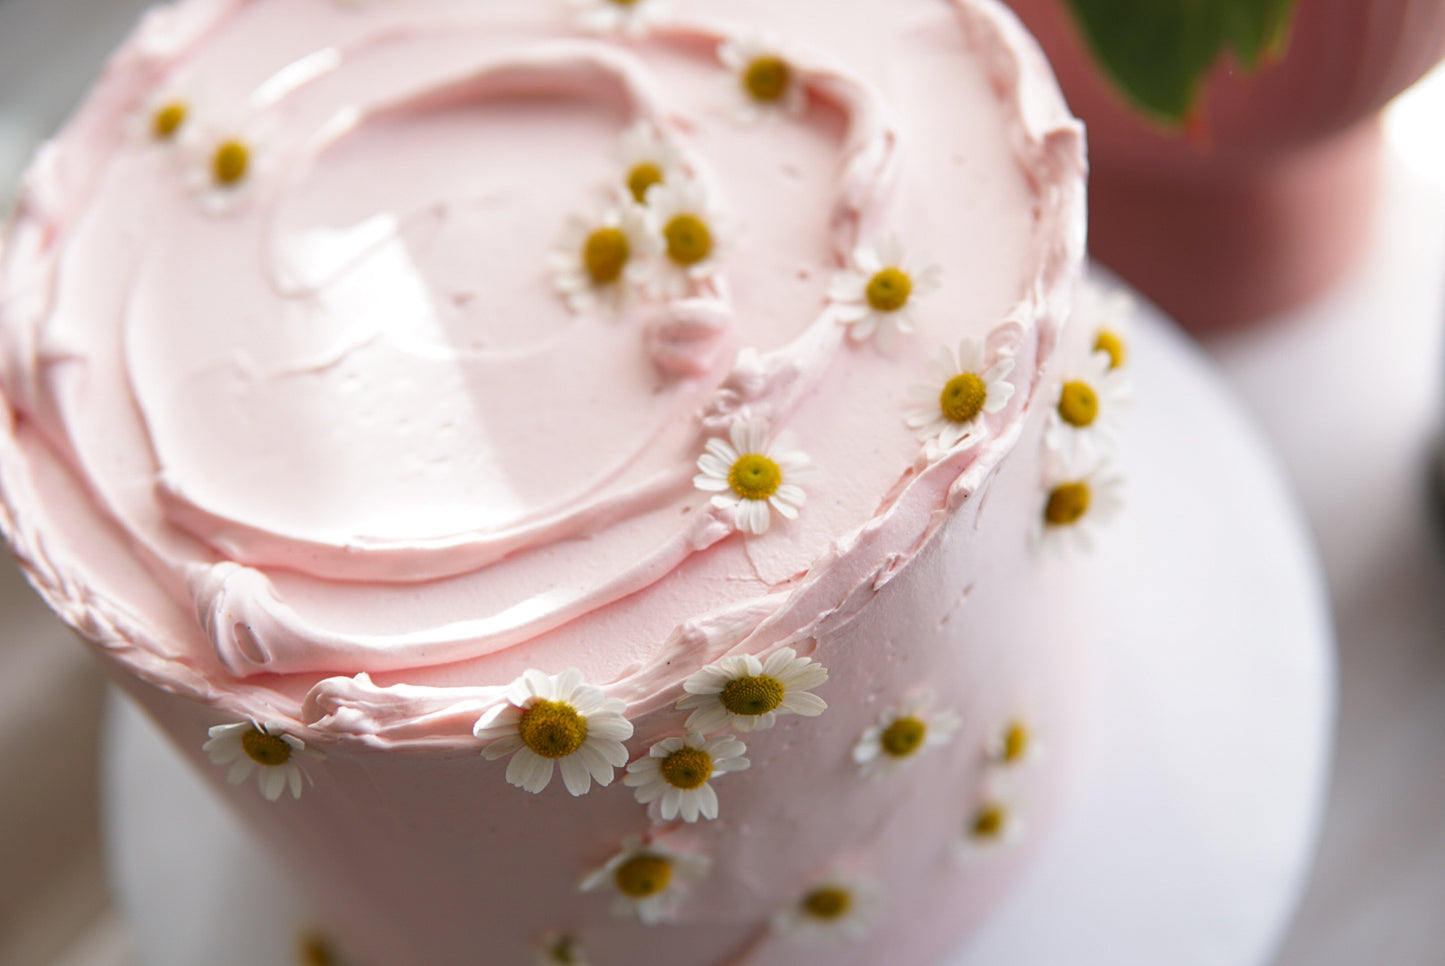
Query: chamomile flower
[[753, 476], [648, 157], [901, 733], [1108, 311], [1075, 504], [678, 773], [692, 232], [962, 389], [224, 162], [600, 262], [557, 720], [631, 17], [763, 79], [266, 749], [1085, 415], [746, 694], [646, 879], [1013, 744], [834, 909], [164, 115], [559, 949], [877, 294], [993, 824]]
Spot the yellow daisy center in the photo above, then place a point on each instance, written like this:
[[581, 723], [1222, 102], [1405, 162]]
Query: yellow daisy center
[[1078, 404], [755, 476], [552, 729], [903, 737], [643, 876], [767, 79], [168, 120], [563, 952], [828, 903], [230, 162], [642, 177], [1068, 502], [989, 821], [689, 240], [605, 254], [1016, 741], [963, 397], [888, 290], [315, 950], [625, 3], [752, 695], [265, 749], [687, 768], [1112, 343]]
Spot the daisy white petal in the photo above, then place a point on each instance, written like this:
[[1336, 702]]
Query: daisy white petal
[[763, 78], [1084, 420], [679, 773], [646, 879], [1075, 504], [647, 157], [690, 231], [748, 695], [901, 733], [267, 750], [601, 263], [991, 826], [875, 297], [225, 160], [831, 910], [761, 478], [556, 720], [628, 17], [964, 389]]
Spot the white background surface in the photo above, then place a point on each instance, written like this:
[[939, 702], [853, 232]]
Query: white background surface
[[1348, 389]]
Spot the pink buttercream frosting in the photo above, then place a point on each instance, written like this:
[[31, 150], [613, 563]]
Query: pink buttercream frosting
[[330, 448]]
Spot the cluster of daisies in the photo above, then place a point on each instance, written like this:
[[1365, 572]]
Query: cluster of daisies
[[1082, 490], [222, 158]]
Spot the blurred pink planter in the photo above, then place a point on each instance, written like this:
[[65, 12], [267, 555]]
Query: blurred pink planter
[[1277, 200]]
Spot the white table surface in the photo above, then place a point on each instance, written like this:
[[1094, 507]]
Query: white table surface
[[1349, 390]]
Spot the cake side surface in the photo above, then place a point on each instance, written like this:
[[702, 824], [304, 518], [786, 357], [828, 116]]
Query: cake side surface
[[440, 398]]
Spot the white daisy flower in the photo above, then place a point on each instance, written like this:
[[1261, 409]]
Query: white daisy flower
[[266, 749], [316, 948], [993, 825], [677, 773], [752, 476], [1085, 416], [692, 233], [165, 114], [1075, 505], [224, 162], [901, 733], [601, 262], [746, 694], [630, 17], [877, 293], [549, 720], [1014, 744], [647, 879], [648, 157], [1109, 311], [831, 910], [961, 391], [559, 949], [763, 79]]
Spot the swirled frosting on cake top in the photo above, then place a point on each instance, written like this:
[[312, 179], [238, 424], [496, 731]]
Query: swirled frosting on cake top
[[362, 356]]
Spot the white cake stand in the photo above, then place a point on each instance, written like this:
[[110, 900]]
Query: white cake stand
[[1199, 799]]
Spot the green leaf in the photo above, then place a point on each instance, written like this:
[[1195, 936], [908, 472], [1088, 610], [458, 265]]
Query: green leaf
[[1158, 51]]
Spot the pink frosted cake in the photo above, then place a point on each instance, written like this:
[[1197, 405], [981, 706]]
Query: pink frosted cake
[[581, 477]]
